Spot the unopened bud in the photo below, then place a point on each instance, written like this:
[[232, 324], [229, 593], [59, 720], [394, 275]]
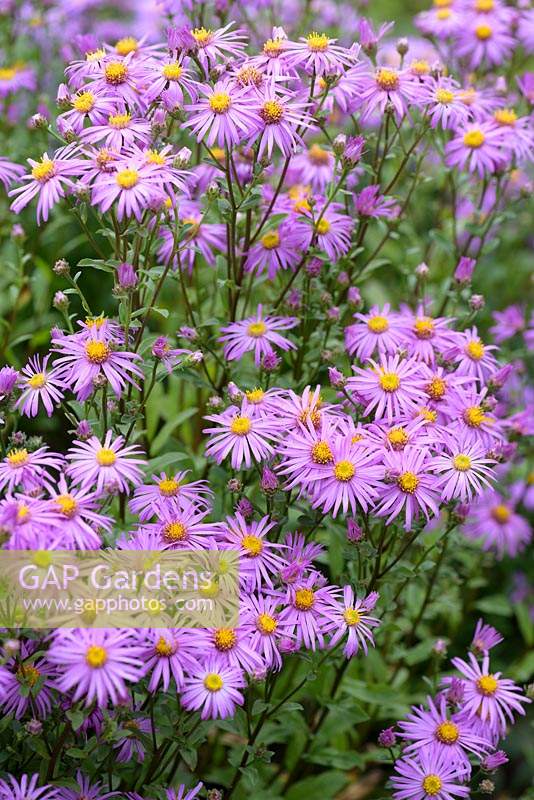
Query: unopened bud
[[477, 302], [61, 267], [61, 301], [403, 46]]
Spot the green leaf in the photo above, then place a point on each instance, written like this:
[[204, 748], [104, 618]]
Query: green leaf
[[318, 787]]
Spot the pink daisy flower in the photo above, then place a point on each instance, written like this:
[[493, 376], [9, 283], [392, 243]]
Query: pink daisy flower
[[225, 114], [39, 386], [119, 78], [26, 684], [485, 637], [278, 248], [468, 414], [391, 388], [167, 654], [318, 54], [484, 41], [30, 523], [169, 74], [105, 464], [222, 43], [429, 774], [473, 357], [168, 492], [26, 788], [273, 57], [182, 526], [487, 696], [229, 646], [86, 105], [48, 179], [426, 336], [214, 690], [81, 360], [201, 238], [259, 558], [387, 86], [119, 129], [303, 448], [314, 167], [95, 664], [258, 334], [350, 617], [463, 469], [443, 103], [80, 519], [476, 147], [85, 789], [411, 486], [241, 436], [262, 624], [281, 119], [494, 521], [376, 331], [28, 470], [9, 172], [132, 186], [304, 616], [371, 203]]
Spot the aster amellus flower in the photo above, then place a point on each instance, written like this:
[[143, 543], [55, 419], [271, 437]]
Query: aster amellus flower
[[259, 334], [223, 115], [48, 180], [105, 464]]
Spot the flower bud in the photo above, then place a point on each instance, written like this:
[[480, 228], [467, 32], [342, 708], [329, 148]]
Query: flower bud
[[126, 277], [269, 481], [354, 297], [313, 267], [234, 392], [486, 786], [61, 301], [402, 46], [343, 279], [34, 727], [37, 122], [183, 157], [477, 302], [234, 485], [270, 361], [422, 270], [494, 761], [354, 532], [464, 270], [17, 232], [188, 333], [440, 647], [8, 379], [214, 401], [339, 144], [63, 97], [387, 738], [333, 313], [353, 151], [11, 647], [213, 191], [336, 378], [245, 508], [84, 430], [61, 267]]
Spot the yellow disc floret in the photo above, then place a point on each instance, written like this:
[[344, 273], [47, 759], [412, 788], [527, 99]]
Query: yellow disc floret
[[96, 656]]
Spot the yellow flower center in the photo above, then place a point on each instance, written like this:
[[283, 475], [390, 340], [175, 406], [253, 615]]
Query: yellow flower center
[[424, 327], [220, 102], [257, 329], [270, 240], [97, 352], [95, 55], [119, 121], [213, 682], [321, 453], [322, 227], [168, 487], [29, 674], [317, 42], [249, 76], [351, 617], [7, 73], [23, 512], [175, 532], [43, 171], [530, 479], [304, 599], [252, 544], [432, 784], [505, 116], [461, 462], [474, 416], [272, 112], [483, 32], [266, 624], [127, 178], [344, 470], [444, 96], [398, 438], [202, 36], [164, 648], [387, 79], [500, 513], [225, 639], [96, 656], [487, 685], [420, 67], [447, 732], [428, 414], [106, 457], [436, 388], [116, 72], [408, 482], [172, 72], [240, 426], [389, 381], [443, 14], [84, 102], [318, 155], [378, 324], [37, 381], [127, 45], [195, 226], [153, 157], [18, 458], [475, 349], [255, 396], [67, 504], [273, 47]]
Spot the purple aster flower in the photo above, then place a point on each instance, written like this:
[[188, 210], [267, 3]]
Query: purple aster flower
[[131, 186], [167, 492], [129, 746], [9, 172], [201, 237], [214, 690], [167, 654], [350, 617], [305, 612], [412, 487], [169, 74], [384, 87], [262, 624], [464, 269], [229, 646], [485, 637], [472, 356], [425, 336], [493, 520], [85, 105], [332, 230], [318, 54], [81, 360], [8, 381], [281, 119], [278, 248], [463, 469], [119, 78], [259, 558], [429, 774], [181, 793], [39, 386], [516, 133], [494, 761], [258, 333], [314, 167], [449, 736], [181, 525], [484, 41], [241, 435], [26, 788], [15, 77], [96, 664], [476, 147], [370, 203], [103, 464], [467, 412], [390, 388], [31, 523], [85, 790], [26, 684], [443, 103], [487, 696], [48, 179], [120, 129], [225, 114], [376, 331], [28, 470], [508, 323], [218, 44], [80, 519]]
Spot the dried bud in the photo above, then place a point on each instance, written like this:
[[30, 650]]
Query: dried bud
[[269, 481], [486, 786], [61, 267], [234, 485], [477, 302], [336, 378]]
